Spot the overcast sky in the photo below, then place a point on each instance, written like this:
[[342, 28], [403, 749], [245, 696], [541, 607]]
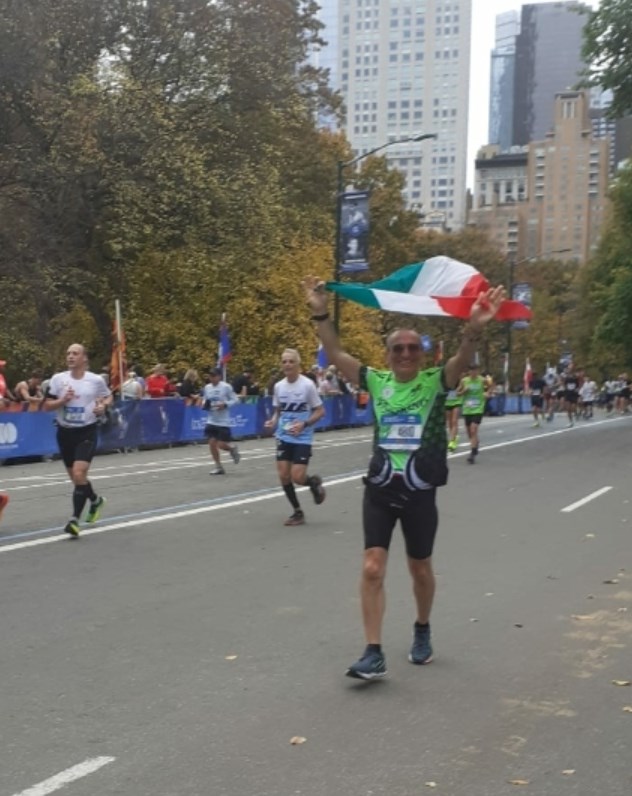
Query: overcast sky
[[483, 28]]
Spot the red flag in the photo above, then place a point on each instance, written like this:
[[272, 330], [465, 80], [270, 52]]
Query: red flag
[[118, 362]]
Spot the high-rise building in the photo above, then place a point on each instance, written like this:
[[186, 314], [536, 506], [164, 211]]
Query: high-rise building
[[548, 60], [502, 75], [550, 195], [403, 69], [326, 57]]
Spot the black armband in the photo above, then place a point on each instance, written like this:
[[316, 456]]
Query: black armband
[[322, 317]]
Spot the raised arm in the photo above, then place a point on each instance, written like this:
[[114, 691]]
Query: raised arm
[[483, 311], [317, 301]]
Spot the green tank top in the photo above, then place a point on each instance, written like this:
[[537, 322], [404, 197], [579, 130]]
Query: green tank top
[[407, 414], [452, 399], [473, 395]]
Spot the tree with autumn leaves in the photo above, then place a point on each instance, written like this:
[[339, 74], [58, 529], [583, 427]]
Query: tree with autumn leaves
[[168, 154]]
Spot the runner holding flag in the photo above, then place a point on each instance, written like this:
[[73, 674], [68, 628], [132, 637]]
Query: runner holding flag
[[408, 462]]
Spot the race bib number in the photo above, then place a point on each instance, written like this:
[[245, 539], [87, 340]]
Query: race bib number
[[472, 403], [400, 432], [535, 392], [571, 385], [74, 415], [451, 396]]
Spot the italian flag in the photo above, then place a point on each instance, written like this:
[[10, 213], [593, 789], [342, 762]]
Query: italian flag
[[438, 286]]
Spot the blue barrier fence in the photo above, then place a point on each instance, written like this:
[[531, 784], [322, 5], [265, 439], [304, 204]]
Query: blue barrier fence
[[160, 422], [169, 421]]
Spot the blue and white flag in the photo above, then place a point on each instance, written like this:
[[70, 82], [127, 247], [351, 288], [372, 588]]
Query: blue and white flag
[[426, 342], [321, 357]]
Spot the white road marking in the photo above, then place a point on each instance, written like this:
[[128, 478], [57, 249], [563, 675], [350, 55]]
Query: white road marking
[[168, 515], [69, 775], [587, 499], [124, 470]]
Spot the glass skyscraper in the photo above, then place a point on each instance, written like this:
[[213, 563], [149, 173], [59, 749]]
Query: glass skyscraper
[[548, 60]]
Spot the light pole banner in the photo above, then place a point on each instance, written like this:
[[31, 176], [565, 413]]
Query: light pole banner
[[521, 292], [354, 232]]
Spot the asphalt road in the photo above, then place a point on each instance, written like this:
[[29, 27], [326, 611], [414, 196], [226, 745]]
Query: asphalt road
[[179, 645]]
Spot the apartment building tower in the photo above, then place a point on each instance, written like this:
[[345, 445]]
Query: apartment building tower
[[550, 195], [403, 69]]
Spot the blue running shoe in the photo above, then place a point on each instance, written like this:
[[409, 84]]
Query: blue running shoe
[[371, 666], [421, 650]]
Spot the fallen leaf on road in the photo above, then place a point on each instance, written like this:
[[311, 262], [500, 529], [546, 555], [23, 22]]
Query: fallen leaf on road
[[568, 771], [473, 619], [590, 597], [231, 657], [611, 581], [489, 594], [430, 784], [622, 610], [518, 781], [627, 709], [297, 740], [581, 616], [590, 536], [518, 625], [621, 682]]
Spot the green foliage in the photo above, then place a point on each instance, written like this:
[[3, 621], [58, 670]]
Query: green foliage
[[606, 284], [608, 50]]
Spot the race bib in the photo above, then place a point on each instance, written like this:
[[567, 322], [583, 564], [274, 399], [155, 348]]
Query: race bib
[[400, 432], [471, 403], [451, 396], [535, 392], [74, 415]]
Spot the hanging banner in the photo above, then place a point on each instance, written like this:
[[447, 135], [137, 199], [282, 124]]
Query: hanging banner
[[522, 292], [354, 232]]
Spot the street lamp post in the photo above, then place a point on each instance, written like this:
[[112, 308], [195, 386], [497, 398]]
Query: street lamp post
[[342, 165], [513, 264]]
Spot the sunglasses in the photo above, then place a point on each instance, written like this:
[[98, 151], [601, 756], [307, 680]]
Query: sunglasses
[[410, 348]]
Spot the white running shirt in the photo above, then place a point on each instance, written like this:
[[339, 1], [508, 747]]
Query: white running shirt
[[88, 390]]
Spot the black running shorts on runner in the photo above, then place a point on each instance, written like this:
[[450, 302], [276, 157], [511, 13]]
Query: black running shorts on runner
[[537, 401], [476, 419], [220, 433], [571, 396], [77, 444], [297, 453], [416, 511]]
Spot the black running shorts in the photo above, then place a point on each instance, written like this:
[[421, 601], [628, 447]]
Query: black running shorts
[[571, 396], [77, 444], [295, 452], [416, 511], [221, 433], [537, 401], [476, 419]]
